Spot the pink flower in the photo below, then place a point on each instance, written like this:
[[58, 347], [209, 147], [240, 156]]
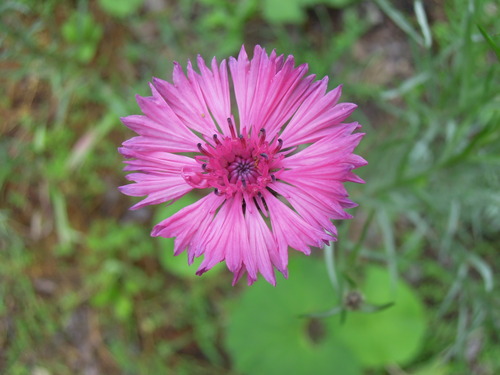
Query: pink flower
[[272, 167]]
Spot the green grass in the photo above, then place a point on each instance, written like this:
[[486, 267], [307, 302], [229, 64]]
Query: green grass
[[83, 286]]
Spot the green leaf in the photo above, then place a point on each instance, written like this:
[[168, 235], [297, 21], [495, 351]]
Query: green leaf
[[400, 20], [339, 3], [123, 307], [422, 21], [434, 368], [393, 335], [283, 11], [81, 27], [293, 11], [495, 47], [122, 8], [83, 33], [268, 334], [66, 235], [484, 270], [269, 330]]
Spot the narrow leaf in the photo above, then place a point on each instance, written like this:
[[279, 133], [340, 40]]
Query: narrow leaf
[[490, 41]]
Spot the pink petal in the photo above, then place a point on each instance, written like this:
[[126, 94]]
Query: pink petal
[[291, 230], [226, 238], [186, 99], [315, 207], [262, 252], [316, 113], [214, 85], [189, 224], [159, 188], [155, 161]]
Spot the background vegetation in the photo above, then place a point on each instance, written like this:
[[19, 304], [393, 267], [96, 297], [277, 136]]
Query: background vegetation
[[85, 290]]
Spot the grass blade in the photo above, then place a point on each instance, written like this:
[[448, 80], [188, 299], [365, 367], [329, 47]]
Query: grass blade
[[490, 41], [422, 21], [399, 19]]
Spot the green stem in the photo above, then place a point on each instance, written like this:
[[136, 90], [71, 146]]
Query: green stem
[[330, 266]]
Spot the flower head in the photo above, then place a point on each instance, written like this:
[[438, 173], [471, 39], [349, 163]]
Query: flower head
[[272, 167]]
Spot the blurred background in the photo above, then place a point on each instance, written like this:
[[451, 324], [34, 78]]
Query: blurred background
[[412, 287]]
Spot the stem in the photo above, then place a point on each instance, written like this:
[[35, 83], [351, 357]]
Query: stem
[[330, 266]]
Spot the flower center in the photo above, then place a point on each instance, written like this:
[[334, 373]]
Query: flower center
[[245, 164], [243, 170]]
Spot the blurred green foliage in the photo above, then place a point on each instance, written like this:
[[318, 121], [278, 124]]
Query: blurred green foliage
[[275, 318], [293, 11], [122, 8], [281, 318], [84, 289], [83, 33]]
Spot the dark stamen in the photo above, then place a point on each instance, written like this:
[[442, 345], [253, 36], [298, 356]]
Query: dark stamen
[[216, 140], [217, 192], [273, 177], [280, 144], [265, 156], [231, 127], [262, 135], [243, 141], [202, 150], [244, 183], [204, 166]]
